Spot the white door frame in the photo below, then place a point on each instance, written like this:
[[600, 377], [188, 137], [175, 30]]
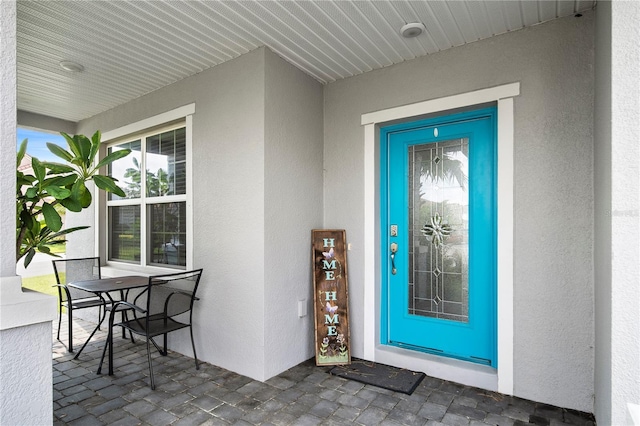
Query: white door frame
[[500, 380]]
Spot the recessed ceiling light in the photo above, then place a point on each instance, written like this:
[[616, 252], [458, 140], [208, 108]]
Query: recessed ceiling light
[[71, 66], [413, 29]]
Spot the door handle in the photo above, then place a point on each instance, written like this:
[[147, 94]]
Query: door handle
[[394, 250]]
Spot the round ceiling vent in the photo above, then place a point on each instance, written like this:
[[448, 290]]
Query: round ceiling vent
[[71, 66], [413, 29]]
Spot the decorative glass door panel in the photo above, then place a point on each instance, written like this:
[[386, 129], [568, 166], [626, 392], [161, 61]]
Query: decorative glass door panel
[[439, 230], [438, 236]]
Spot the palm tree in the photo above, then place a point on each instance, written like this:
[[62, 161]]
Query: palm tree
[[38, 195], [157, 184]]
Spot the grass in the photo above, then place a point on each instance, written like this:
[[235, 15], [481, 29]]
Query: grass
[[42, 284], [58, 248]]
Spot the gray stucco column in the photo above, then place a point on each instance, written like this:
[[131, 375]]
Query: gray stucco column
[[625, 213], [26, 384], [7, 134], [617, 213]]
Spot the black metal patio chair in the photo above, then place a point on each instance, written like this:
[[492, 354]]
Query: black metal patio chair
[[70, 270], [165, 305]]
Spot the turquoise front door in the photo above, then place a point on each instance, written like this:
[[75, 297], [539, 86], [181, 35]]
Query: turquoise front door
[[438, 217]]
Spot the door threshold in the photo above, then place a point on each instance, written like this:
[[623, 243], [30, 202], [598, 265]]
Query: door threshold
[[454, 370]]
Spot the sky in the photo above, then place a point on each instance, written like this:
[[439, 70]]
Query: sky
[[37, 146]]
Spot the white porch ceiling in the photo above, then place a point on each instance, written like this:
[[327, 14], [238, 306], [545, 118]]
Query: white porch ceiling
[[130, 48]]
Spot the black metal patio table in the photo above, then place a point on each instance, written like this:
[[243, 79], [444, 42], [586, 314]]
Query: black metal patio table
[[105, 286]]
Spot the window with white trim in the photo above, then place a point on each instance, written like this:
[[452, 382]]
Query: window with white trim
[[148, 227]]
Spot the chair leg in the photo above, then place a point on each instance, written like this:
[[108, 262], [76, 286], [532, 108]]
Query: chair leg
[[124, 316], [153, 385], [59, 320], [100, 316], [70, 315], [158, 348], [161, 351], [104, 313], [164, 352], [110, 342], [193, 345]]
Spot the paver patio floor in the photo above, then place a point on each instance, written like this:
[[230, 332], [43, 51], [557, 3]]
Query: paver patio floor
[[302, 395]]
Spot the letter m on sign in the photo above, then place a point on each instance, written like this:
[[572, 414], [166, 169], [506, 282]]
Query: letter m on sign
[[329, 265]]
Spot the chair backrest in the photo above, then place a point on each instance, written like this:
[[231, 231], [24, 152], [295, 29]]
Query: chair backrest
[[170, 294], [70, 270]]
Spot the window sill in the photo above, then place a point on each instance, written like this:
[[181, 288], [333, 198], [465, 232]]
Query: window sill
[[114, 269]]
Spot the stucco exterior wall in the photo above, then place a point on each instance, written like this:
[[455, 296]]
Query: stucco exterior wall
[[617, 253], [293, 207], [228, 205], [8, 81], [625, 211], [26, 380], [553, 282], [257, 169]]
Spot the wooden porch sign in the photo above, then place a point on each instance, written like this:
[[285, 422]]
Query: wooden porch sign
[[331, 297]]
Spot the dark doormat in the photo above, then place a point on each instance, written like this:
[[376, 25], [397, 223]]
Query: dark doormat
[[380, 375]]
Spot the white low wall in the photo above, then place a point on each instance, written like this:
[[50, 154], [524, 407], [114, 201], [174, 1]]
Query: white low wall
[[26, 380]]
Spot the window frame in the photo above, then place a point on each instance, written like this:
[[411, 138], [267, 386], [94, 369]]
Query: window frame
[[174, 119]]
